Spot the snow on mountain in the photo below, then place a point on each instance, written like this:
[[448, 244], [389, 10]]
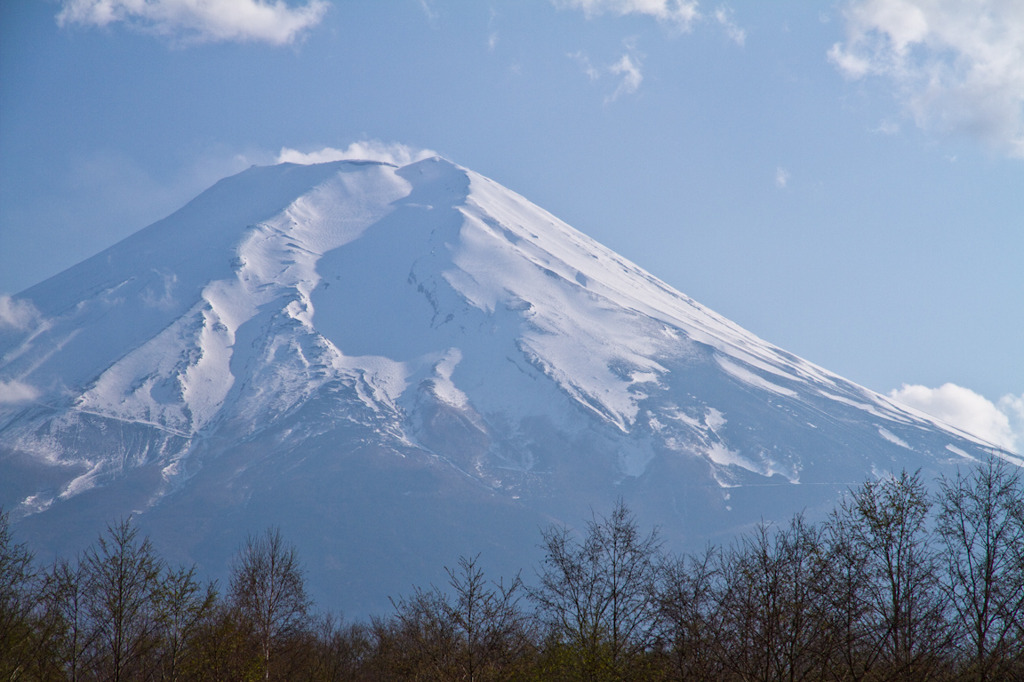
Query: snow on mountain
[[401, 364]]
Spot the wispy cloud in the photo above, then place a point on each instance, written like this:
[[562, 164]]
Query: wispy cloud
[[201, 20], [113, 188], [492, 30], [887, 127], [680, 13], [957, 67], [781, 177], [366, 150], [586, 65], [19, 315], [724, 17], [626, 71], [1000, 423], [431, 13]]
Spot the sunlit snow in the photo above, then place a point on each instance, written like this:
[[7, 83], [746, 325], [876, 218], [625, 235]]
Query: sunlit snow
[[400, 299]]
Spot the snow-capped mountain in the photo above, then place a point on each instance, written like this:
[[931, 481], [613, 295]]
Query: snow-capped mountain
[[399, 365]]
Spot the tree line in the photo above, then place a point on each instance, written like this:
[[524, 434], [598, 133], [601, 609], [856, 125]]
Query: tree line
[[897, 583]]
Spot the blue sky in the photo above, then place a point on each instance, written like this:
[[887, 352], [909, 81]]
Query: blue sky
[[844, 179]]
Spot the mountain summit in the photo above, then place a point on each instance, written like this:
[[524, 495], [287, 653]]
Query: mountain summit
[[399, 365]]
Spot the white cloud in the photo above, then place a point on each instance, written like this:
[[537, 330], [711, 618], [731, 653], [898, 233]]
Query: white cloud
[[629, 70], [367, 150], [18, 314], [1001, 424], [203, 20], [736, 34], [681, 13], [16, 392], [958, 67], [1013, 407], [781, 177]]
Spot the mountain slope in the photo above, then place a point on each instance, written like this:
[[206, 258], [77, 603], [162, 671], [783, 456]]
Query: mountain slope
[[399, 365]]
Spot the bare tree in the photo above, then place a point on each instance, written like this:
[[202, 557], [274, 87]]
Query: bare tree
[[474, 632], [690, 617], [598, 596], [268, 591], [855, 634], [489, 621], [981, 524], [64, 617], [887, 521], [17, 578], [420, 642], [122, 579], [772, 604], [181, 606], [337, 651]]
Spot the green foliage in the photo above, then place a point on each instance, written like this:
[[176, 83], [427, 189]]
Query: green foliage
[[222, 648]]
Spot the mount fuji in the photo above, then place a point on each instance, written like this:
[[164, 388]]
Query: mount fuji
[[398, 365]]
